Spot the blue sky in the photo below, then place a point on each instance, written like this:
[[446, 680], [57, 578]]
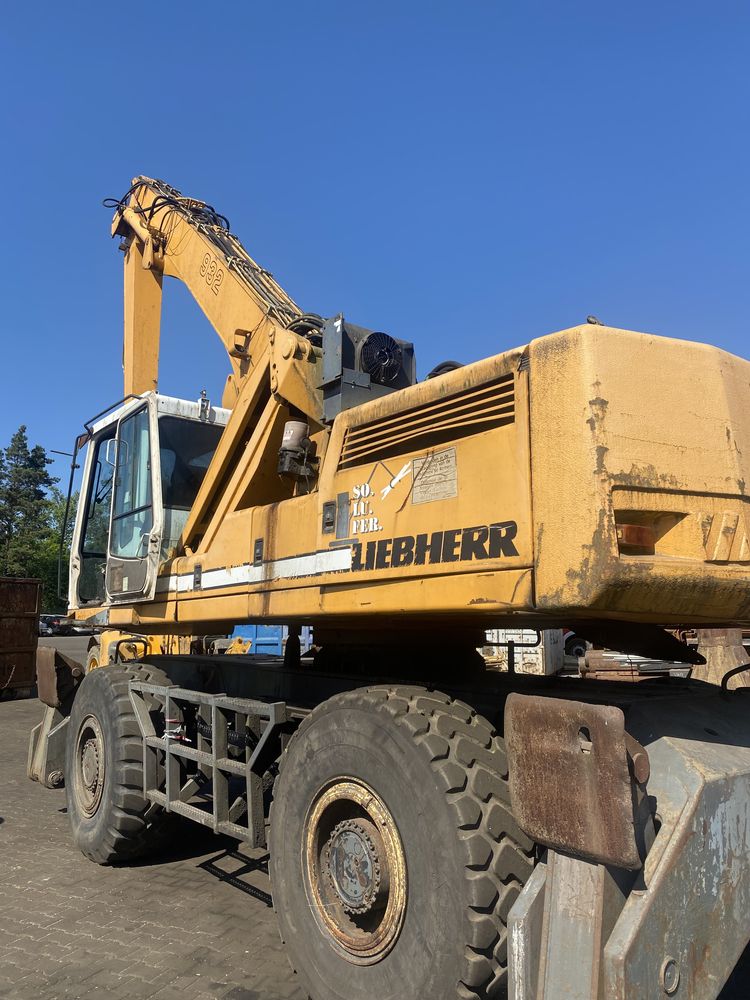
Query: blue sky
[[463, 175]]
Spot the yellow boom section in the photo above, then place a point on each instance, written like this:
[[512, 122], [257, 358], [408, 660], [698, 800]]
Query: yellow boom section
[[273, 368], [169, 234]]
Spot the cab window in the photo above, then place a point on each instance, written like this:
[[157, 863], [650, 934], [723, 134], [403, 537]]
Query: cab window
[[96, 527], [132, 513]]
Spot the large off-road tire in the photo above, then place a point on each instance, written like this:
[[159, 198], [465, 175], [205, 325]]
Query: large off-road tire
[[104, 770], [394, 855], [93, 656]]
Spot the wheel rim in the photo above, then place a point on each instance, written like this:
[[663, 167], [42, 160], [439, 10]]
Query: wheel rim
[[89, 765], [355, 870]]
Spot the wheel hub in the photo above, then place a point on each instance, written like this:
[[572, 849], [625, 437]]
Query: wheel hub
[[353, 864], [88, 776], [90, 765], [355, 870]]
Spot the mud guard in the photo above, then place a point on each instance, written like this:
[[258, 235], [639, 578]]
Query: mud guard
[[58, 677], [46, 760]]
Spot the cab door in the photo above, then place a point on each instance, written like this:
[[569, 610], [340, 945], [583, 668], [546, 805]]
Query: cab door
[[136, 520]]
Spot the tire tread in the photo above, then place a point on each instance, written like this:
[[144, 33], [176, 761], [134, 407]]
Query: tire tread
[[128, 835], [470, 766]]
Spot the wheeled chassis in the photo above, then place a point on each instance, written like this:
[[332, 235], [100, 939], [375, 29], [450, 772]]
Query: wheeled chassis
[[674, 924]]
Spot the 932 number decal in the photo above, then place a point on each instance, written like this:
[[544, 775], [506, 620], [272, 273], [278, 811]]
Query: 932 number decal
[[212, 273]]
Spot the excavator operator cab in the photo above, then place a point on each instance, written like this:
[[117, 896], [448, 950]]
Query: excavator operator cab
[[145, 463]]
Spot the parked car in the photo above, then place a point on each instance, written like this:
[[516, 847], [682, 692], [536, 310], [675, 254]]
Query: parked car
[[44, 627], [57, 624]]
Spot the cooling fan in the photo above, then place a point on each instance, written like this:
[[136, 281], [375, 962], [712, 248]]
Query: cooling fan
[[360, 365], [381, 358]]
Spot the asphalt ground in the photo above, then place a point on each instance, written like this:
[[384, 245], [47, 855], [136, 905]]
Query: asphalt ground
[[194, 922]]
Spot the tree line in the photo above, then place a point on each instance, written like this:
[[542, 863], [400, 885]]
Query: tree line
[[32, 511]]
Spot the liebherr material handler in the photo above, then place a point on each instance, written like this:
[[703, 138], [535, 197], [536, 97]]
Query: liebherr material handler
[[437, 830]]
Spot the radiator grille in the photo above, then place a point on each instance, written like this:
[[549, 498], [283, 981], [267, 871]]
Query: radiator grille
[[470, 411]]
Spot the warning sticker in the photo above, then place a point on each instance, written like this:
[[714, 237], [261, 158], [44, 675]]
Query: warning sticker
[[435, 477]]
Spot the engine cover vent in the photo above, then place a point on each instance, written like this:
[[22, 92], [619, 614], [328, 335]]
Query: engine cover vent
[[470, 411]]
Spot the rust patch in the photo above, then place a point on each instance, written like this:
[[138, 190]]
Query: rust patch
[[570, 779], [598, 407], [648, 476]]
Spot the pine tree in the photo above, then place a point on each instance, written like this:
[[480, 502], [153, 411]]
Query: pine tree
[[24, 505]]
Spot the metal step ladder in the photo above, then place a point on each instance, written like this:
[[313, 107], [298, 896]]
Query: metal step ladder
[[263, 729]]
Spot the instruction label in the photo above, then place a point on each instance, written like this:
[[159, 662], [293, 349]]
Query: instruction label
[[435, 477]]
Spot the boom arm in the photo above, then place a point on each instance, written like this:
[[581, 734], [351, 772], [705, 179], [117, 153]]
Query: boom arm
[[276, 369], [168, 234]]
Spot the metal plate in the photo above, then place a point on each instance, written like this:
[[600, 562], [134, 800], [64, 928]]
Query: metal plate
[[570, 786]]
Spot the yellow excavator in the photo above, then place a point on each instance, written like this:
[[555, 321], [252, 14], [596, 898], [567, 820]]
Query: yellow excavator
[[436, 829]]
